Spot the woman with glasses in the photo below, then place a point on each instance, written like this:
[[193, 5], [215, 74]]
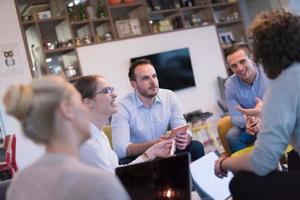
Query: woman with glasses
[[52, 114], [100, 99]]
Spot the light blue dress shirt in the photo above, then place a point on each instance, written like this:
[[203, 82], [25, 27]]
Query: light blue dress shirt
[[135, 123], [237, 92]]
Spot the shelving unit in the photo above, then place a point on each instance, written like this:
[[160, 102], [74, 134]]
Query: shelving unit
[[48, 38], [229, 23], [199, 15], [54, 29]]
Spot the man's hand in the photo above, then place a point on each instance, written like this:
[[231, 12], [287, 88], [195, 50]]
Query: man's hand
[[163, 137], [182, 140], [252, 117], [256, 111], [160, 149], [253, 124]]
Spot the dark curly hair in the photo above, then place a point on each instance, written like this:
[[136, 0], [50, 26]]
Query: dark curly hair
[[276, 40]]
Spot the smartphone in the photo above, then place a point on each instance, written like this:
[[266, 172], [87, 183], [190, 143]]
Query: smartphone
[[179, 129], [173, 148], [217, 153]]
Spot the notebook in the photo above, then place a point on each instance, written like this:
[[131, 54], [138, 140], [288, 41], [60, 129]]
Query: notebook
[[163, 178], [205, 180]]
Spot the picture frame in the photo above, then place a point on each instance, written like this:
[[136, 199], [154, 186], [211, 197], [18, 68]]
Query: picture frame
[[124, 28], [136, 26], [10, 61], [226, 38], [128, 28]]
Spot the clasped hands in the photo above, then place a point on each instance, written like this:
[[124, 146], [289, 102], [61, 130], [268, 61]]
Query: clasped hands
[[182, 139], [163, 147], [252, 116], [253, 124]]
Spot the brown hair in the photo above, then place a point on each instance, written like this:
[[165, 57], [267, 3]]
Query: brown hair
[[134, 65], [236, 47], [87, 85], [34, 105], [276, 41]]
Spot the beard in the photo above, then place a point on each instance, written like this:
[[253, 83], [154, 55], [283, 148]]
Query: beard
[[149, 92]]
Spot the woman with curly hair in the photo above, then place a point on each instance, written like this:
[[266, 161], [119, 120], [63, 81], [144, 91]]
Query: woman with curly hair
[[276, 46]]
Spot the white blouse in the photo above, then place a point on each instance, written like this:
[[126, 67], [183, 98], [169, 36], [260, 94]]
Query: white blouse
[[97, 151]]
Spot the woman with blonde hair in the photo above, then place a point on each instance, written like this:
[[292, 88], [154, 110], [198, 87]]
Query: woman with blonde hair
[[51, 113]]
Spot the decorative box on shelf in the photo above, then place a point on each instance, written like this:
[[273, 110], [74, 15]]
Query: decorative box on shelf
[[129, 27], [165, 25], [44, 14]]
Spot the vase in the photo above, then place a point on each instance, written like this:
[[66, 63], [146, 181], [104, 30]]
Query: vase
[[114, 2]]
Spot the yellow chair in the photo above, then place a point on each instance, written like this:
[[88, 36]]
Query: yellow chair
[[224, 124], [107, 131], [250, 148], [207, 127], [242, 151]]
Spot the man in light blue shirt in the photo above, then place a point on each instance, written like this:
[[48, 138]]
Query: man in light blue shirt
[[144, 116], [242, 89]]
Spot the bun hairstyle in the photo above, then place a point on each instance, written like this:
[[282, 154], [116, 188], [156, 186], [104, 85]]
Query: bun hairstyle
[[35, 104], [18, 100]]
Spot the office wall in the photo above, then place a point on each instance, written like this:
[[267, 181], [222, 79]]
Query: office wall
[[10, 33], [293, 5], [250, 8], [113, 59]]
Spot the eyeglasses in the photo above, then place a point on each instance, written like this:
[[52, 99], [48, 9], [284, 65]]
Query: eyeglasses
[[106, 90]]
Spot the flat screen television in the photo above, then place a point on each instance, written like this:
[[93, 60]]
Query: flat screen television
[[173, 68]]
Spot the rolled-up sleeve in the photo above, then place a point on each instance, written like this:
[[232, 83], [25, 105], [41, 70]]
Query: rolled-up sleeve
[[120, 131]]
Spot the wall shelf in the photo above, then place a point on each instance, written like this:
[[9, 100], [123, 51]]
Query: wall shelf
[[59, 50], [196, 7], [51, 20], [229, 22], [126, 5], [222, 5], [56, 28]]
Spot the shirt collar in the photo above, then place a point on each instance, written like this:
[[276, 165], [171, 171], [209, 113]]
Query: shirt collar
[[255, 80], [139, 103], [257, 75]]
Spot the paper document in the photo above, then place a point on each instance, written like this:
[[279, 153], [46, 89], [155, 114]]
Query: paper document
[[203, 174]]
